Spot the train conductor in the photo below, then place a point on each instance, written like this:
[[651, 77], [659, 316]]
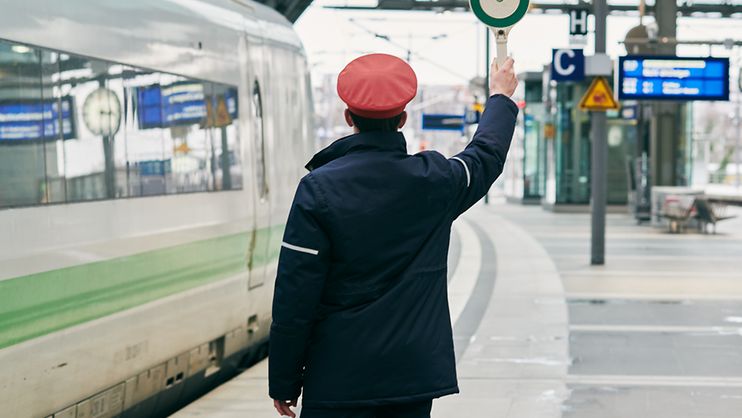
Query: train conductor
[[361, 324]]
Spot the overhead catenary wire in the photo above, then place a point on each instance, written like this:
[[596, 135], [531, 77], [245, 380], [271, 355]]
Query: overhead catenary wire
[[417, 55]]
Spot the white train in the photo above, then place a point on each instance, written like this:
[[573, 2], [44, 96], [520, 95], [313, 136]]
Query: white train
[[149, 151]]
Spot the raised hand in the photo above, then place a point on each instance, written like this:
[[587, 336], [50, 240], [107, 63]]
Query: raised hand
[[502, 80]]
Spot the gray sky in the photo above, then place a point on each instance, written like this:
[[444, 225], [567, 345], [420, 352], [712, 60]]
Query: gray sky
[[334, 37]]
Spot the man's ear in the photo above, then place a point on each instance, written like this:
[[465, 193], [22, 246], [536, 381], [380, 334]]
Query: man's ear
[[348, 119], [402, 120]]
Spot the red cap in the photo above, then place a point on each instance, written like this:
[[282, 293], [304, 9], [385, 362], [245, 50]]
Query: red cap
[[377, 86]]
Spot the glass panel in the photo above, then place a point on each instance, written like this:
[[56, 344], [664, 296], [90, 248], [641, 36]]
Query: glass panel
[[115, 84], [223, 110], [143, 124], [531, 141], [24, 125], [621, 144], [185, 134], [55, 184], [572, 146], [534, 144], [191, 142], [92, 156]]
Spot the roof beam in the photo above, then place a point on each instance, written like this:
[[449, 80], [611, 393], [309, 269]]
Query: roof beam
[[726, 9]]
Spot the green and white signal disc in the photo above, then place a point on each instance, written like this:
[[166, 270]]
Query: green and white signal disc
[[499, 13]]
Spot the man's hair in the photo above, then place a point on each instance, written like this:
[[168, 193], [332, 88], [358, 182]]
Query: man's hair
[[383, 125]]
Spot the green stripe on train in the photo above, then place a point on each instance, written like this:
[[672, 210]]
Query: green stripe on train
[[37, 304]]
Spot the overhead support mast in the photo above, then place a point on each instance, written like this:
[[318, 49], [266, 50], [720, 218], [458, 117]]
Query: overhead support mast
[[599, 176], [665, 130]]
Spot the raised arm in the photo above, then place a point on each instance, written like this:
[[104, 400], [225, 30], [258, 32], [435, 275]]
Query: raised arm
[[479, 165]]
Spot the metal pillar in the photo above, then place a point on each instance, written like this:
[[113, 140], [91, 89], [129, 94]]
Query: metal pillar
[[737, 158], [109, 173], [666, 129], [225, 161], [599, 177]]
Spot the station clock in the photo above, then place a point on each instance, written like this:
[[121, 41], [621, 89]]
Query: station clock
[[101, 112]]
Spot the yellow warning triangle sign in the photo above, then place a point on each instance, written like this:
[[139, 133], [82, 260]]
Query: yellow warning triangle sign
[[219, 117], [182, 149], [599, 96], [223, 118]]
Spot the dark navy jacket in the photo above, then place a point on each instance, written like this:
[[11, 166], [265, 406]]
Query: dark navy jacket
[[360, 311]]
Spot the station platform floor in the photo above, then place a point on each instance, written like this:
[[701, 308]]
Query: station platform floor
[[656, 332]]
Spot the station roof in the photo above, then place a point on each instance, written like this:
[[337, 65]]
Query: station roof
[[693, 8], [292, 9]]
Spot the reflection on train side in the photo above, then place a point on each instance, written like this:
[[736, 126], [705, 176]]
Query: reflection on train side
[[78, 129]]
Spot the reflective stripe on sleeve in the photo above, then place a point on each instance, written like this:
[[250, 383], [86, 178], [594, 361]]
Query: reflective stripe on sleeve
[[466, 168], [300, 249]]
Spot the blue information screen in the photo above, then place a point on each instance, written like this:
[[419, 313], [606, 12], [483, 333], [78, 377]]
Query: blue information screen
[[438, 122], [673, 78], [37, 120], [176, 104]]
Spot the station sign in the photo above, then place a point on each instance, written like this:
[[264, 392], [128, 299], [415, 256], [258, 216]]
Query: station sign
[[630, 112], [567, 65], [36, 120], [157, 168], [549, 130], [179, 104], [443, 122], [673, 78], [472, 116], [599, 96], [578, 22]]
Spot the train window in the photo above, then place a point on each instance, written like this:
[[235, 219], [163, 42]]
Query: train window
[[186, 134], [61, 127], [259, 130], [24, 119], [96, 152], [115, 157], [142, 120], [223, 114]]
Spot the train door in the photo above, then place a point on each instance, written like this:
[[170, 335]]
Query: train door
[[256, 82]]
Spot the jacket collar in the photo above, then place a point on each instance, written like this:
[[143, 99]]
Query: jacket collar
[[391, 141]]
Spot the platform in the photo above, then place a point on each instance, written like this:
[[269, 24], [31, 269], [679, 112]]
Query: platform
[[539, 333]]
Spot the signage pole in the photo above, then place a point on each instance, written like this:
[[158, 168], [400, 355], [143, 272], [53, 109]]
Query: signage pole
[[737, 168], [499, 16], [598, 176], [486, 83]]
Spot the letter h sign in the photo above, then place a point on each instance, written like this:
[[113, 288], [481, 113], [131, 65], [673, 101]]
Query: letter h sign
[[578, 22]]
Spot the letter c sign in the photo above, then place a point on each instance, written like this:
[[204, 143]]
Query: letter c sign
[[567, 65]]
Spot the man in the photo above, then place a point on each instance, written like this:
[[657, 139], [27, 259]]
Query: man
[[360, 312]]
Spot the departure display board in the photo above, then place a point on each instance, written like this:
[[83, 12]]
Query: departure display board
[[176, 104], [34, 120], [443, 122], [673, 78]]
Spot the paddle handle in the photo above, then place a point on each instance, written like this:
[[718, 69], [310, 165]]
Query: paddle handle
[[502, 52], [501, 40]]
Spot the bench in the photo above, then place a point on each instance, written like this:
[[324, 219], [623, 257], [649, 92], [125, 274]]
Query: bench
[[678, 210], [710, 214]]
